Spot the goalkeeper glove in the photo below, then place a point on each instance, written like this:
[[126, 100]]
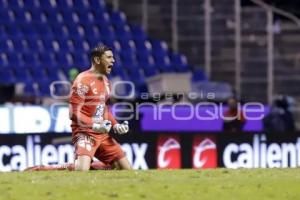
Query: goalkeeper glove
[[121, 128], [102, 127]]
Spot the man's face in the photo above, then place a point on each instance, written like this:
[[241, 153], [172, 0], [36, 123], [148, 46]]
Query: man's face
[[106, 62]]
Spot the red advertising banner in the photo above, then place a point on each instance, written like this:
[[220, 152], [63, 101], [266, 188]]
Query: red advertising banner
[[168, 152], [204, 152]]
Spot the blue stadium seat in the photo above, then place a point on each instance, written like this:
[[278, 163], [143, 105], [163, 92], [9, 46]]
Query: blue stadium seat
[[30, 59], [38, 74], [107, 33], [128, 58], [158, 55], [51, 66], [37, 15], [69, 16], [123, 33], [81, 45], [179, 62], [163, 63], [30, 90], [143, 54], [4, 46], [102, 19], [145, 58], [71, 46], [143, 46], [160, 48], [138, 78], [80, 59], [63, 44], [65, 4], [64, 60], [98, 6], [43, 30], [19, 45], [15, 59], [148, 65], [85, 16], [149, 70], [52, 74], [48, 44], [199, 75], [93, 41], [20, 17], [46, 57], [3, 34], [118, 61], [91, 30], [23, 75], [131, 69], [81, 4], [28, 30], [47, 4], [32, 4], [7, 76], [113, 44], [60, 30], [138, 33], [13, 31], [48, 60], [15, 4], [3, 61], [118, 70], [35, 43], [44, 88], [53, 17], [3, 4], [118, 19], [74, 30], [6, 16], [128, 45]]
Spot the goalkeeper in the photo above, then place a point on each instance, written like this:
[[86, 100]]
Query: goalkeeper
[[91, 117]]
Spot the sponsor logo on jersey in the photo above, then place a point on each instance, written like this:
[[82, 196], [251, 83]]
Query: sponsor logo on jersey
[[98, 116], [82, 89], [95, 91]]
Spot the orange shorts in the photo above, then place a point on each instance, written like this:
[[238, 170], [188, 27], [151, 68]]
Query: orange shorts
[[105, 149]]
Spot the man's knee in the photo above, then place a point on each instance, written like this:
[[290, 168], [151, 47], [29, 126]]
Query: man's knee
[[82, 163]]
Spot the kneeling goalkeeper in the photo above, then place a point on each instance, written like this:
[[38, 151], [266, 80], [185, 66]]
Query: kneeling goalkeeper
[[91, 118]]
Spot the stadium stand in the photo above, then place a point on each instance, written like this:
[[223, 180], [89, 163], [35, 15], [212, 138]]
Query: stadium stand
[[41, 39]]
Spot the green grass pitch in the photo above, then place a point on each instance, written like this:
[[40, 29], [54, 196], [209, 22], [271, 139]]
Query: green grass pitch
[[152, 184]]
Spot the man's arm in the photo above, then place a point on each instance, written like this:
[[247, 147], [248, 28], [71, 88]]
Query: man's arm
[[109, 115], [77, 100], [79, 117]]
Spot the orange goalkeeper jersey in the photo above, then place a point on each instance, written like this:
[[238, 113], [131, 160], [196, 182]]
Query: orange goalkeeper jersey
[[88, 102]]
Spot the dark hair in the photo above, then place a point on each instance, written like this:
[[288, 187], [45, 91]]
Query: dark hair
[[99, 50]]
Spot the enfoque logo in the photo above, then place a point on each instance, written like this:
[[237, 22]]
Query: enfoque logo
[[205, 111]]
